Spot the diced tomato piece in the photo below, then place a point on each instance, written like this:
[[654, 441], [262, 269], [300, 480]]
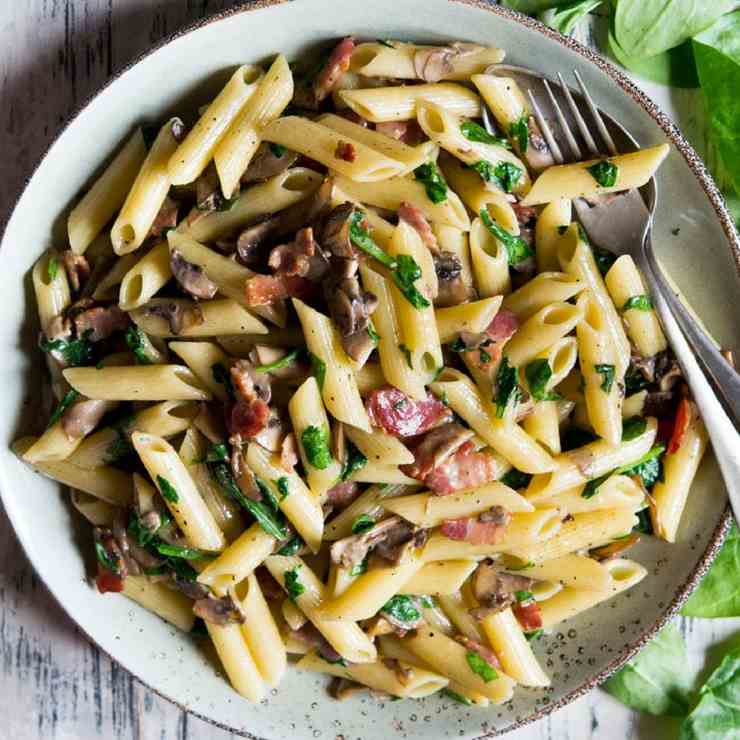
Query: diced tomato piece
[[528, 614], [107, 581], [680, 426]]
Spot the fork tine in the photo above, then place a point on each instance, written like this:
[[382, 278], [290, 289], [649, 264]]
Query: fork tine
[[545, 128], [572, 143], [582, 127], [605, 135]]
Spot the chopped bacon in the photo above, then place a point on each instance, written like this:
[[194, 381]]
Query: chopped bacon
[[345, 151], [485, 652], [77, 269], [100, 322], [684, 414], [503, 326], [486, 529], [467, 468], [529, 615], [402, 416], [491, 341], [342, 494], [261, 290], [414, 217], [435, 447], [248, 383], [302, 257], [248, 418], [335, 67], [107, 581], [409, 132]]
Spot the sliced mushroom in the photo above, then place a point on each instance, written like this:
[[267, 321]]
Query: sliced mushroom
[[495, 590], [385, 537], [251, 239], [538, 155], [165, 219], [100, 322], [219, 611], [77, 268], [178, 315], [82, 417], [191, 277], [335, 236], [434, 64], [268, 163], [302, 257]]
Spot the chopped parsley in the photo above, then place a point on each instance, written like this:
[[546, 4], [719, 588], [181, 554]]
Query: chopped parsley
[[223, 376], [283, 486], [604, 172], [167, 490], [284, 361], [517, 249], [516, 479], [633, 428], [508, 387], [360, 237], [136, 341], [519, 131], [52, 268], [278, 150], [355, 460], [473, 131], [75, 352], [638, 302], [267, 494], [456, 697], [292, 585], [505, 175], [69, 398], [402, 609], [434, 183], [186, 553], [318, 369], [407, 354], [607, 373], [538, 374], [217, 453], [291, 547], [406, 273], [315, 443], [480, 667], [362, 524]]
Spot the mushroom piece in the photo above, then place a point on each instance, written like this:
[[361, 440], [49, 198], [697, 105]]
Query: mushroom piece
[[385, 538], [538, 155], [350, 308], [268, 161], [495, 590], [437, 446], [191, 277], [165, 219], [435, 63], [100, 322], [77, 268], [178, 315], [219, 611], [335, 235], [82, 417], [250, 240], [302, 257]]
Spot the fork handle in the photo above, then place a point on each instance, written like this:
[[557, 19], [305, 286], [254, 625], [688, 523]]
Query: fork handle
[[726, 380], [723, 434]]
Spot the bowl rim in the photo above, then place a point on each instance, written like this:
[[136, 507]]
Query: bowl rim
[[698, 169]]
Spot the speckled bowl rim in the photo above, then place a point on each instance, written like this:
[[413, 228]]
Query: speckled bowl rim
[[712, 192]]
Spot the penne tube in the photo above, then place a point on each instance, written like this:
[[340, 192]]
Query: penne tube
[[145, 278], [616, 492], [444, 577], [368, 504], [51, 288], [490, 261], [98, 512], [542, 290], [237, 660], [379, 447], [372, 472], [458, 612], [543, 425], [573, 571], [554, 217], [172, 606], [472, 317], [108, 289], [204, 359]]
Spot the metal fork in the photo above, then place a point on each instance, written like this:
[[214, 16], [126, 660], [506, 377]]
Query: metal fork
[[623, 225]]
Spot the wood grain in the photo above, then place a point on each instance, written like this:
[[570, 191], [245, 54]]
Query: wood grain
[[53, 683]]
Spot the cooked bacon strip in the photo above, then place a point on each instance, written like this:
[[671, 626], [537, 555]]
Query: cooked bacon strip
[[491, 341], [415, 218], [487, 528], [435, 447], [100, 322], [261, 290], [335, 67], [345, 151], [392, 410], [528, 614], [302, 257], [467, 468]]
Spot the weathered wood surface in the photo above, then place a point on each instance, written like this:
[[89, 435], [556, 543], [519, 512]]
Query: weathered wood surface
[[53, 683]]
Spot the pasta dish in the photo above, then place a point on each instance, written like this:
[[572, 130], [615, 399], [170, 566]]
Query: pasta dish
[[339, 381]]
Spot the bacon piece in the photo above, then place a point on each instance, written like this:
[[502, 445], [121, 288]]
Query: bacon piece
[[402, 416], [487, 347], [77, 269], [248, 419], [467, 468], [335, 67], [248, 383], [528, 614], [261, 290], [409, 132], [289, 452], [414, 217], [486, 529], [345, 151], [486, 653], [435, 447], [684, 414], [300, 258], [100, 322], [342, 494]]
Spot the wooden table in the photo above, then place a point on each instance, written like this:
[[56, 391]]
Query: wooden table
[[53, 683]]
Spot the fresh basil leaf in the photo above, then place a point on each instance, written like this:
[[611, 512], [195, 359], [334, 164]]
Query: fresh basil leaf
[[315, 443], [718, 593], [318, 369], [538, 374], [76, 352], [405, 274], [657, 680], [607, 373], [604, 172], [517, 249], [566, 17], [167, 490], [648, 467], [638, 303], [362, 524], [519, 131], [69, 398], [532, 7], [360, 237], [633, 428], [434, 183], [402, 609], [473, 131], [292, 583], [136, 341], [355, 460], [516, 479], [284, 361], [480, 667], [278, 150], [507, 384]]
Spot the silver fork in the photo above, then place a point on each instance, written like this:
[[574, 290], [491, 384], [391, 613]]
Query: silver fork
[[623, 225]]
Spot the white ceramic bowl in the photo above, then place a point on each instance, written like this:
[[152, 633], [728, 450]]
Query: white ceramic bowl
[[180, 75]]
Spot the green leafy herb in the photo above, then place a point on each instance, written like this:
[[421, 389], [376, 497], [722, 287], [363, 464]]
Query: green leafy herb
[[604, 259], [633, 428], [278, 150], [372, 333], [267, 494], [534, 635], [108, 562], [517, 249], [638, 302], [473, 131], [450, 694], [406, 273], [607, 373], [426, 601], [284, 361], [69, 398], [592, 487], [217, 453], [656, 680], [292, 585], [361, 238], [507, 385], [167, 490], [137, 342], [362, 524], [480, 667], [538, 374], [186, 553], [565, 17], [574, 437], [519, 131], [648, 467], [523, 595], [634, 380], [52, 268], [505, 175], [485, 170], [430, 176], [604, 172], [402, 609], [318, 369], [121, 446], [75, 352], [516, 479], [360, 568], [718, 593], [353, 462], [407, 354], [291, 547], [315, 443], [283, 486], [223, 376]]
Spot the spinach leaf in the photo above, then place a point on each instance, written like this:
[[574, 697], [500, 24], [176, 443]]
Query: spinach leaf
[[638, 302], [450, 694], [538, 373], [405, 274], [315, 443], [434, 183], [517, 249], [355, 460], [648, 467], [644, 29], [507, 384], [480, 667], [519, 131], [505, 175], [292, 585], [136, 341], [291, 547], [718, 593], [566, 17], [633, 428], [284, 361], [167, 490], [121, 446], [362, 524], [112, 564], [657, 680], [318, 369], [360, 568], [186, 553], [607, 373], [475, 132], [604, 172], [278, 150], [360, 237], [402, 609], [217, 453], [75, 352], [516, 479], [69, 398]]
